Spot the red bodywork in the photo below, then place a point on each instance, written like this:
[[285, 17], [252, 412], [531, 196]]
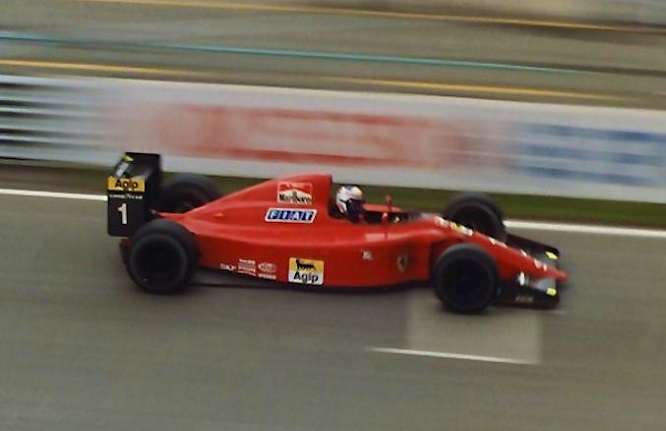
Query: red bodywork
[[236, 233]]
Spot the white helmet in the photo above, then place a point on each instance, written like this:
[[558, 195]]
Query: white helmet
[[349, 201]]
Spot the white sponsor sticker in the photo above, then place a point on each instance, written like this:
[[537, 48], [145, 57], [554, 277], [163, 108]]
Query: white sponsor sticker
[[227, 267], [290, 215], [247, 266], [267, 267]]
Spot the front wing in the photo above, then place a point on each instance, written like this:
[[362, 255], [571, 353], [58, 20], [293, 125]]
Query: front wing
[[526, 292]]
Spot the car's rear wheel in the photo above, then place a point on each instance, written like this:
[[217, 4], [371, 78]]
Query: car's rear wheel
[[162, 257], [477, 211], [185, 192], [465, 278]]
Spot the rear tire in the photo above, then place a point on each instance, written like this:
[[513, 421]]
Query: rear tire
[[162, 257], [478, 212], [184, 192], [465, 278]]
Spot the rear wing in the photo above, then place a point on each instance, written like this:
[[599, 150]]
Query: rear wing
[[132, 190]]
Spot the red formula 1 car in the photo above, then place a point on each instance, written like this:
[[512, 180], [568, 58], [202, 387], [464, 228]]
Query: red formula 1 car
[[283, 231]]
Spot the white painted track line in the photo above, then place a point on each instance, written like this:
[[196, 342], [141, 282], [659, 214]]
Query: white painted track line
[[516, 224], [588, 229], [493, 359], [506, 336], [52, 195]]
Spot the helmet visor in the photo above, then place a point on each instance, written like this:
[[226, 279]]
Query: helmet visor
[[355, 209]]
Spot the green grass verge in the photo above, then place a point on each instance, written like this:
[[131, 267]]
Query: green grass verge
[[86, 180], [545, 208]]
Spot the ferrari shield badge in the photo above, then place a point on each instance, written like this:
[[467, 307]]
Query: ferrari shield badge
[[402, 262]]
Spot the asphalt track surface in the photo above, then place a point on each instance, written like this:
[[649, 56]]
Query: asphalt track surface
[[83, 349], [218, 41]]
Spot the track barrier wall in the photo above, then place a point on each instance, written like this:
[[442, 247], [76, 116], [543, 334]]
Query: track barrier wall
[[370, 138]]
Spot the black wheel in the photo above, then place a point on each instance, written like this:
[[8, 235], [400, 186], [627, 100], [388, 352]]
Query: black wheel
[[162, 257], [465, 278], [477, 211], [185, 192]]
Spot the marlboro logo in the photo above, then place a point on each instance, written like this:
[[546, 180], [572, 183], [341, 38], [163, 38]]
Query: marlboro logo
[[294, 193]]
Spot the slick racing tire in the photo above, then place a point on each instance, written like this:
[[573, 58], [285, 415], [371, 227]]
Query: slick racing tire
[[478, 212], [162, 257], [465, 278], [184, 192]]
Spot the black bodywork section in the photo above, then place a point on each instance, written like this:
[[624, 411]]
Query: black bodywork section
[[526, 292], [133, 187]]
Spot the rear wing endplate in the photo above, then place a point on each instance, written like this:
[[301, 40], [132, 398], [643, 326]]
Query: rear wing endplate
[[132, 190]]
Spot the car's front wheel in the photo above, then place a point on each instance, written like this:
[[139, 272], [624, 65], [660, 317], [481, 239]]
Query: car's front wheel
[[465, 278], [162, 257]]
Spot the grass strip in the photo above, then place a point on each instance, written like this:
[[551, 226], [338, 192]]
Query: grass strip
[[543, 208]]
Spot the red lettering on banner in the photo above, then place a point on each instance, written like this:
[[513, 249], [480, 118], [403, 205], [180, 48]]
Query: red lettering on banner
[[287, 135]]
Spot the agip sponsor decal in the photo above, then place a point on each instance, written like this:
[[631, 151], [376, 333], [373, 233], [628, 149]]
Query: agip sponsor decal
[[290, 215], [294, 193], [306, 271], [125, 184]]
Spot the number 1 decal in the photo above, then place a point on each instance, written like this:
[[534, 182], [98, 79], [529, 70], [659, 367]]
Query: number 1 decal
[[123, 213]]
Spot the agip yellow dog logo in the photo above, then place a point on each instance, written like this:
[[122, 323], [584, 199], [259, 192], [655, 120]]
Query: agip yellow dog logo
[[306, 271]]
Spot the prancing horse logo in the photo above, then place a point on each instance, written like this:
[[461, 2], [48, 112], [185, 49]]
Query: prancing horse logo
[[402, 262]]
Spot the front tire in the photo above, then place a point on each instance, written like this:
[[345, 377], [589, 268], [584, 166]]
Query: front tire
[[162, 257], [465, 278], [478, 212], [184, 192]]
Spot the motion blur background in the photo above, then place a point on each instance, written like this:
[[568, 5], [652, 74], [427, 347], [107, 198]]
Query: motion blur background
[[536, 97], [556, 54], [522, 50]]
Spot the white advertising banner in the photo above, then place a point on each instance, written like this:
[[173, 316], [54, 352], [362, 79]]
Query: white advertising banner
[[370, 138]]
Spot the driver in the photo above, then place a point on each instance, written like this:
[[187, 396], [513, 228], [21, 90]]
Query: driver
[[349, 201]]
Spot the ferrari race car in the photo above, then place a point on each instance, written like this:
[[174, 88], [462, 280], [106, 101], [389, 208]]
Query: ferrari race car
[[283, 231]]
